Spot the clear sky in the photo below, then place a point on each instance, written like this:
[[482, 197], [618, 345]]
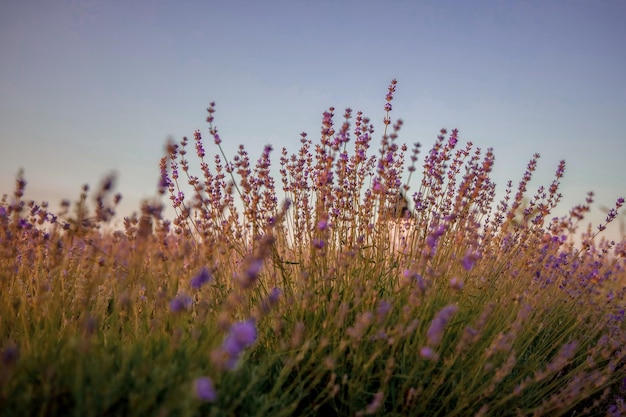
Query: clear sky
[[88, 87]]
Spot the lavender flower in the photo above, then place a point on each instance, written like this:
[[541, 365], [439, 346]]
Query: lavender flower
[[617, 409], [23, 224], [382, 310], [452, 141], [566, 353], [375, 404], [180, 302], [435, 331], [241, 336], [10, 354], [199, 148], [456, 283], [244, 333], [428, 353], [318, 243], [254, 268], [434, 236], [271, 299], [469, 260], [204, 389], [202, 278], [415, 279]]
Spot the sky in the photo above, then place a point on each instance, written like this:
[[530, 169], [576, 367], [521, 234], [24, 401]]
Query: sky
[[90, 87]]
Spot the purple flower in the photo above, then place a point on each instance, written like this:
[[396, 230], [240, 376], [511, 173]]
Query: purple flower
[[271, 299], [174, 167], [432, 238], [453, 138], [180, 302], [274, 295], [3, 211], [10, 354], [199, 148], [23, 224], [244, 333], [254, 268], [383, 309], [566, 353], [456, 283], [241, 335], [204, 389], [428, 353], [469, 260], [435, 331], [618, 409], [415, 279], [318, 243], [202, 278], [375, 404]]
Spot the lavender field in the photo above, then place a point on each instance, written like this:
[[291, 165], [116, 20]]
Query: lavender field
[[316, 291]]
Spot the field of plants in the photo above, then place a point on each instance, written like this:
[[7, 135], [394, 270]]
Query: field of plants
[[365, 278]]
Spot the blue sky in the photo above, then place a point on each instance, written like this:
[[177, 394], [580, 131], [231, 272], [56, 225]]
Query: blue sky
[[90, 87]]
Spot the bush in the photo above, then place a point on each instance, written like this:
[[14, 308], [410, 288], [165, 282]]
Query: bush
[[344, 299]]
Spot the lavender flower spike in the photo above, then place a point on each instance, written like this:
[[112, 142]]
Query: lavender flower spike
[[202, 278], [180, 302], [204, 389], [242, 335], [435, 331]]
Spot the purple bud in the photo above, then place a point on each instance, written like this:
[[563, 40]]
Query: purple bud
[[274, 295], [416, 279], [456, 283], [10, 354], [383, 309], [252, 273], [244, 333], [469, 260], [318, 243], [180, 302], [428, 353], [435, 332], [202, 278], [204, 389], [271, 299]]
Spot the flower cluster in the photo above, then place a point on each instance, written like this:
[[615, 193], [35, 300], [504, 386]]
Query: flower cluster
[[240, 336]]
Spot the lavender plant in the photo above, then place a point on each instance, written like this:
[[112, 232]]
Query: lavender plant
[[314, 288]]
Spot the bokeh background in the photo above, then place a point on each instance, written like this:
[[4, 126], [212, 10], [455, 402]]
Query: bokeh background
[[90, 87]]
